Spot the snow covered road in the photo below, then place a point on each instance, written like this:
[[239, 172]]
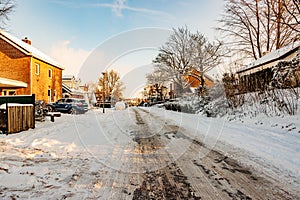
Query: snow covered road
[[142, 154]]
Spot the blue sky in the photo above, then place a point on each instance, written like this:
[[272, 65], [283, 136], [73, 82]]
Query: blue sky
[[70, 30]]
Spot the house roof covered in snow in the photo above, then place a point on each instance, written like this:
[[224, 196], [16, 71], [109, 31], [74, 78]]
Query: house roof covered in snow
[[4, 82], [68, 77], [28, 49], [66, 88], [272, 56]]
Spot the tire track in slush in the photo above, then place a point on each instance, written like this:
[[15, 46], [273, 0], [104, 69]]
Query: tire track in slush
[[214, 176], [168, 182]]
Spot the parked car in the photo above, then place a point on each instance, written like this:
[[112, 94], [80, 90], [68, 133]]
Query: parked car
[[69, 105], [3, 119]]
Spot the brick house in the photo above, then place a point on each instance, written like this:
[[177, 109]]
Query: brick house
[[25, 70], [194, 82]]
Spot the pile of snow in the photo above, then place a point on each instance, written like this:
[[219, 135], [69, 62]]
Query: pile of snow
[[120, 106]]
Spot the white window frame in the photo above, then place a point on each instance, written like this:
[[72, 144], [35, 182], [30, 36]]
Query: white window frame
[[37, 68]]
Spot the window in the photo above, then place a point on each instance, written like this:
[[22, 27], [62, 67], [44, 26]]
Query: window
[[50, 73], [54, 94], [61, 101], [49, 95], [37, 69], [8, 92]]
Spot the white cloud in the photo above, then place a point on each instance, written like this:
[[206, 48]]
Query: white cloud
[[119, 5], [70, 58]]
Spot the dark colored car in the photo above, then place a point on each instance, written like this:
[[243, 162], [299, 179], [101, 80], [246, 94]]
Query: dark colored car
[[69, 105], [3, 120]]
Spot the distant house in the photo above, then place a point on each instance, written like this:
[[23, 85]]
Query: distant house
[[194, 82], [258, 74], [71, 87], [25, 70]]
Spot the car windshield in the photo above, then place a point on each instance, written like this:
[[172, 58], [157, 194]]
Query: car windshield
[[60, 101]]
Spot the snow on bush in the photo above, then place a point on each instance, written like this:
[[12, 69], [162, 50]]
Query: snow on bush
[[269, 103], [184, 104], [280, 97], [213, 104]]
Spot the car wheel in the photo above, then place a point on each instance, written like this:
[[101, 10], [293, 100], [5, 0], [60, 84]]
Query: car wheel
[[73, 111], [50, 109]]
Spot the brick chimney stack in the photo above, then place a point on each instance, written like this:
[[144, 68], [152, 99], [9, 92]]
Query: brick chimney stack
[[26, 40]]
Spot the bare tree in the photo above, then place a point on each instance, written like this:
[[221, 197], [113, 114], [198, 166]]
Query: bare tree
[[292, 17], [158, 76], [110, 86], [175, 57], [206, 56], [158, 80], [6, 8], [187, 54], [255, 27]]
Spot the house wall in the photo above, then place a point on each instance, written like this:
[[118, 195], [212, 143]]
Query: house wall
[[209, 83], [194, 82], [42, 82], [72, 83], [14, 65]]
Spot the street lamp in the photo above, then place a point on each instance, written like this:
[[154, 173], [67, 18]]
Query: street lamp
[[103, 94]]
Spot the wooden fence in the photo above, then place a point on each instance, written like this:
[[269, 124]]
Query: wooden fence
[[19, 113], [20, 118]]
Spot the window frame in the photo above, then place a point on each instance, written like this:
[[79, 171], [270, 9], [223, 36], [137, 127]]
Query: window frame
[[50, 73], [8, 91], [49, 94], [37, 68]]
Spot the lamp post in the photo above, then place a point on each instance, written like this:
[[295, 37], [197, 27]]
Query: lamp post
[[103, 94]]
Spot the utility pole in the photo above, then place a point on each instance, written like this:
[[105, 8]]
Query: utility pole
[[103, 94]]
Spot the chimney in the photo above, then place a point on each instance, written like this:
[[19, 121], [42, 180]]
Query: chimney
[[26, 40]]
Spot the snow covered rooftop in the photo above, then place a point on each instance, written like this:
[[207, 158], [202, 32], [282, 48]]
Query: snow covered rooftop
[[4, 82], [272, 56], [28, 49], [68, 77]]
